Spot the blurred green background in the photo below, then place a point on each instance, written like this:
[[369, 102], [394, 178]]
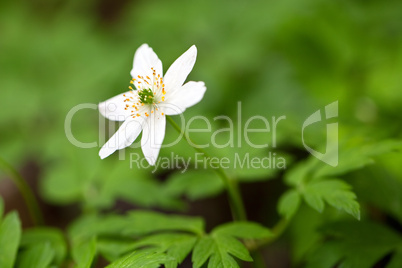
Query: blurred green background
[[276, 57]]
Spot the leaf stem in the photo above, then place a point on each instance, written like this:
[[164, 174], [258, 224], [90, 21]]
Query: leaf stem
[[25, 190], [235, 199], [277, 231]]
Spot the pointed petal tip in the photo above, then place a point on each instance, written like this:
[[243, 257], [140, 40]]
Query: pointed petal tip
[[193, 50], [104, 152], [145, 45]]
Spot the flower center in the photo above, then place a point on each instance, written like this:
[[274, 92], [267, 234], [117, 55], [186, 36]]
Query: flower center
[[146, 96]]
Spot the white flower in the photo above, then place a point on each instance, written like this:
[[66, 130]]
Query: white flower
[[154, 96]]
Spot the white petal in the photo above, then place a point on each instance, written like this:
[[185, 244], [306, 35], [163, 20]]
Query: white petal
[[188, 95], [124, 137], [152, 136], [145, 59], [179, 70], [113, 108]]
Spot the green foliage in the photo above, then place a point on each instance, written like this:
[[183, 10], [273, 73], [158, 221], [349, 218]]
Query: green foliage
[[276, 58], [356, 245], [141, 259], [384, 190], [221, 245], [172, 236], [42, 243], [38, 256], [194, 184], [289, 203], [152, 238], [176, 245], [312, 180], [83, 251], [103, 184], [244, 230], [146, 222], [10, 234], [335, 192]]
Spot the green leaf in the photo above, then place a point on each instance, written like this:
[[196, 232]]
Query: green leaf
[[179, 251], [219, 249], [396, 261], [36, 256], [143, 222], [229, 245], [194, 184], [10, 233], [52, 236], [245, 230], [114, 248], [314, 199], [221, 246], [143, 259], [91, 225], [378, 186], [289, 203], [83, 252], [335, 192], [176, 245], [352, 156], [204, 248], [356, 156], [298, 174], [354, 244]]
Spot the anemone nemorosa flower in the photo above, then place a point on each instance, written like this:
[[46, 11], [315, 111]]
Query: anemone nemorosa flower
[[153, 97]]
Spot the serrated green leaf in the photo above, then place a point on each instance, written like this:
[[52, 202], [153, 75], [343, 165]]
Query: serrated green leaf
[[209, 248], [221, 246], [144, 222], [245, 230], [141, 259], [176, 245], [289, 203], [83, 252], [203, 249], [10, 233], [227, 244], [194, 184], [335, 192], [314, 199], [344, 200], [36, 256], [179, 251], [221, 259], [112, 249], [52, 236]]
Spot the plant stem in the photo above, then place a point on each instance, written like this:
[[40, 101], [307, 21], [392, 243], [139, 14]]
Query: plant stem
[[235, 200], [277, 231], [26, 192]]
